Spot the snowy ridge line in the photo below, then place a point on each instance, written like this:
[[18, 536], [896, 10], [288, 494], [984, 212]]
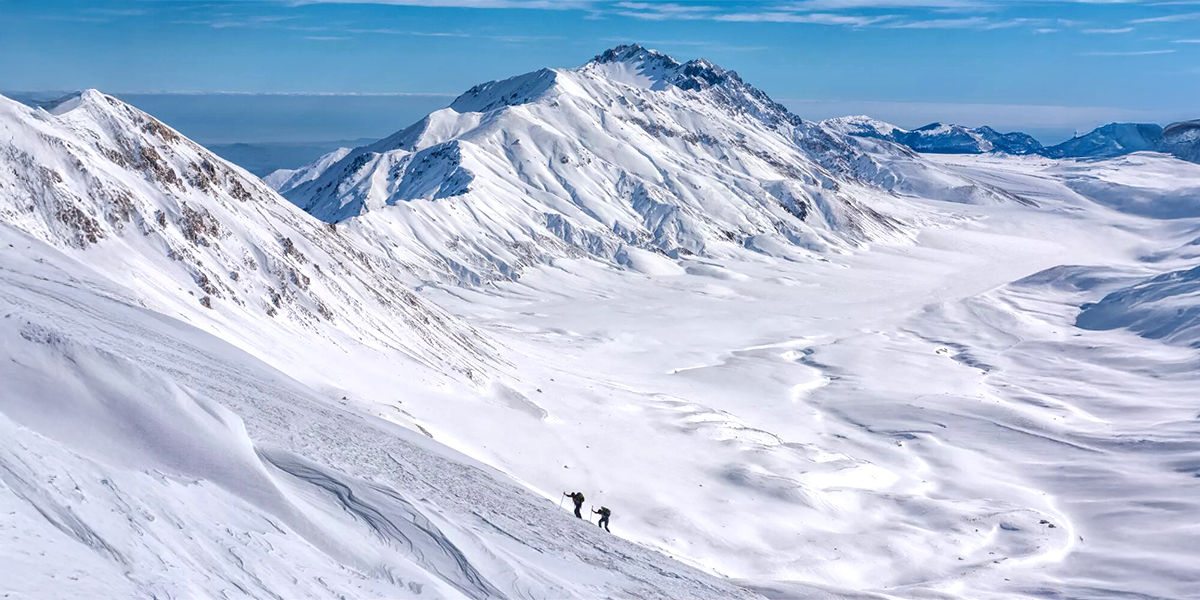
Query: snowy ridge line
[[197, 237], [1107, 141], [635, 160]]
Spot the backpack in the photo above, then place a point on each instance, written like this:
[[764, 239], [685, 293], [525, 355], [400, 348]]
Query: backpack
[[604, 512], [578, 497]]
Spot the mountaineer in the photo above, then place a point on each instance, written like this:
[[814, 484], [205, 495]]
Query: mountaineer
[[576, 497], [604, 514]]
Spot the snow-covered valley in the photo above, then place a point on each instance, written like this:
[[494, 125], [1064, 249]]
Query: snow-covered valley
[[914, 420], [816, 366]]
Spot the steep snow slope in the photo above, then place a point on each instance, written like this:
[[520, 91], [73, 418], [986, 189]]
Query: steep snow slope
[[144, 458], [630, 156], [938, 137], [201, 239]]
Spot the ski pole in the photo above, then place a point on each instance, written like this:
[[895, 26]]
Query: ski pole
[[560, 500]]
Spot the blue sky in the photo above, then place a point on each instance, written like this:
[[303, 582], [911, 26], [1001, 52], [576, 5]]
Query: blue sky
[[1041, 65]]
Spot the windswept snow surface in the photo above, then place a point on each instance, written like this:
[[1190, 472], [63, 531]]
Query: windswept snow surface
[[917, 420], [1164, 307], [145, 458]]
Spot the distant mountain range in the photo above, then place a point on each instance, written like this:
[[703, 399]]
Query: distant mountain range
[[1115, 139]]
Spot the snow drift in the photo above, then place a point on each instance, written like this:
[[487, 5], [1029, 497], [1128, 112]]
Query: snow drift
[[143, 457], [1165, 307]]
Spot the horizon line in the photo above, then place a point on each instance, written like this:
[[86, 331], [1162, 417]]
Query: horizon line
[[239, 93]]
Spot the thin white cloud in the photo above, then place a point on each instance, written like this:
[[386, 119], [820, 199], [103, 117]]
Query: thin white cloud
[[1127, 53], [1175, 18], [960, 23], [919, 14], [804, 5], [813, 18], [119, 12], [390, 31], [659, 11], [527, 4]]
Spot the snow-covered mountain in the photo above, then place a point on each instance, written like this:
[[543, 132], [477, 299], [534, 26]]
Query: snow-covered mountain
[[1114, 139], [956, 139], [169, 329], [200, 238], [938, 137], [923, 419], [1183, 140], [291, 178], [633, 158], [864, 126]]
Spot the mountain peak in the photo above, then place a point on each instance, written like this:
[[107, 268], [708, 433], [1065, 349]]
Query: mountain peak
[[699, 74], [513, 91], [660, 69], [633, 54], [70, 102]]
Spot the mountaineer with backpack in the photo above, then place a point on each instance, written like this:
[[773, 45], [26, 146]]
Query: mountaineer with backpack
[[604, 514], [576, 497]]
